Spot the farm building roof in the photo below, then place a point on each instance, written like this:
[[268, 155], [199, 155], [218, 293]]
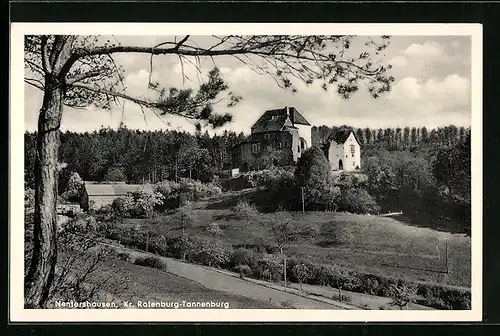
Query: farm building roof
[[103, 189]]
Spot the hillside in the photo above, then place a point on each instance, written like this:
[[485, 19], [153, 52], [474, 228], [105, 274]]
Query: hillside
[[381, 245], [140, 283]]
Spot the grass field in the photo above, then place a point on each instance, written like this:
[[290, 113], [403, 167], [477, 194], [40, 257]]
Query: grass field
[[373, 244]]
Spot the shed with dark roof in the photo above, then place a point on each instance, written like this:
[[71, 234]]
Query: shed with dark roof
[[96, 195]]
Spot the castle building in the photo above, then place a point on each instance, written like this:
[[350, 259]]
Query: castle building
[[282, 134], [343, 151]]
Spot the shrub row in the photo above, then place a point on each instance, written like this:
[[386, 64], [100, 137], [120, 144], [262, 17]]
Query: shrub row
[[153, 262], [261, 264], [188, 190]]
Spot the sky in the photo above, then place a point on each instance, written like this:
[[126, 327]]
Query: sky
[[432, 88]]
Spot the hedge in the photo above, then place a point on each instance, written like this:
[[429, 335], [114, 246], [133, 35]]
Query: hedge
[[265, 265]]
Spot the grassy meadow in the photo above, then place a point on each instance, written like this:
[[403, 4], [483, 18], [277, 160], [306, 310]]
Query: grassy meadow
[[378, 245]]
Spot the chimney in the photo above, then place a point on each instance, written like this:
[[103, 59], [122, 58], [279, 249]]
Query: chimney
[[288, 122]]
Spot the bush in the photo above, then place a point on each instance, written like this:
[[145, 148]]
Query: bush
[[73, 188], [280, 192], [186, 190], [137, 204], [194, 190], [244, 270], [82, 223], [153, 262], [348, 181], [357, 200], [402, 295], [124, 256], [244, 210], [302, 273], [265, 177], [342, 297], [270, 267], [210, 253], [313, 174], [145, 202], [215, 230], [124, 206], [243, 256], [287, 304]]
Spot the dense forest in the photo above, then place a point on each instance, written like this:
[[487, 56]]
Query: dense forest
[[394, 139], [138, 156], [410, 169]]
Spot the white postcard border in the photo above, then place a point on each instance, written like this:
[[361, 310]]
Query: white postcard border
[[16, 226]]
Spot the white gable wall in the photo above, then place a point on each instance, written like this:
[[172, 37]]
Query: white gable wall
[[305, 132], [343, 152], [351, 160], [335, 153]]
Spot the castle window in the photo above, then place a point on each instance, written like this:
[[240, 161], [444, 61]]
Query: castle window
[[352, 148], [266, 136], [286, 143], [298, 149], [255, 147], [280, 145]]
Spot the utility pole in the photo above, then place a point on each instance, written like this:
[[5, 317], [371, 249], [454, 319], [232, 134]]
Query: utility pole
[[446, 254], [284, 270], [176, 168], [303, 203]]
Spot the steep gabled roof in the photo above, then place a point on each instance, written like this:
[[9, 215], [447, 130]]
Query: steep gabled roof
[[340, 137], [273, 120]]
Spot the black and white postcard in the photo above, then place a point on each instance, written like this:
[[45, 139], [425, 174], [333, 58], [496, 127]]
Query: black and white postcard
[[246, 172]]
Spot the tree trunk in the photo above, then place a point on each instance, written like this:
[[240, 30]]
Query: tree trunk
[[41, 273], [38, 281]]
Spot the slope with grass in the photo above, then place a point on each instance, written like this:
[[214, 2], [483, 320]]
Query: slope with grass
[[141, 283], [373, 244]]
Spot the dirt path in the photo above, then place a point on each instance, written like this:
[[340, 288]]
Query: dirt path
[[312, 296], [250, 288]]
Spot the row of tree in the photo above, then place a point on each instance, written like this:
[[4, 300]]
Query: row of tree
[[396, 138], [431, 181], [137, 156]]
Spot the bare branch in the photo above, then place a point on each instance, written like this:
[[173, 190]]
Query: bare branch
[[34, 83], [35, 67], [83, 76], [181, 42], [112, 93], [159, 45]]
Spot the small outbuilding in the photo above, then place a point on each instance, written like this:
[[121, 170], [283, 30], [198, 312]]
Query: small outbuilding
[[343, 151], [96, 195]]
